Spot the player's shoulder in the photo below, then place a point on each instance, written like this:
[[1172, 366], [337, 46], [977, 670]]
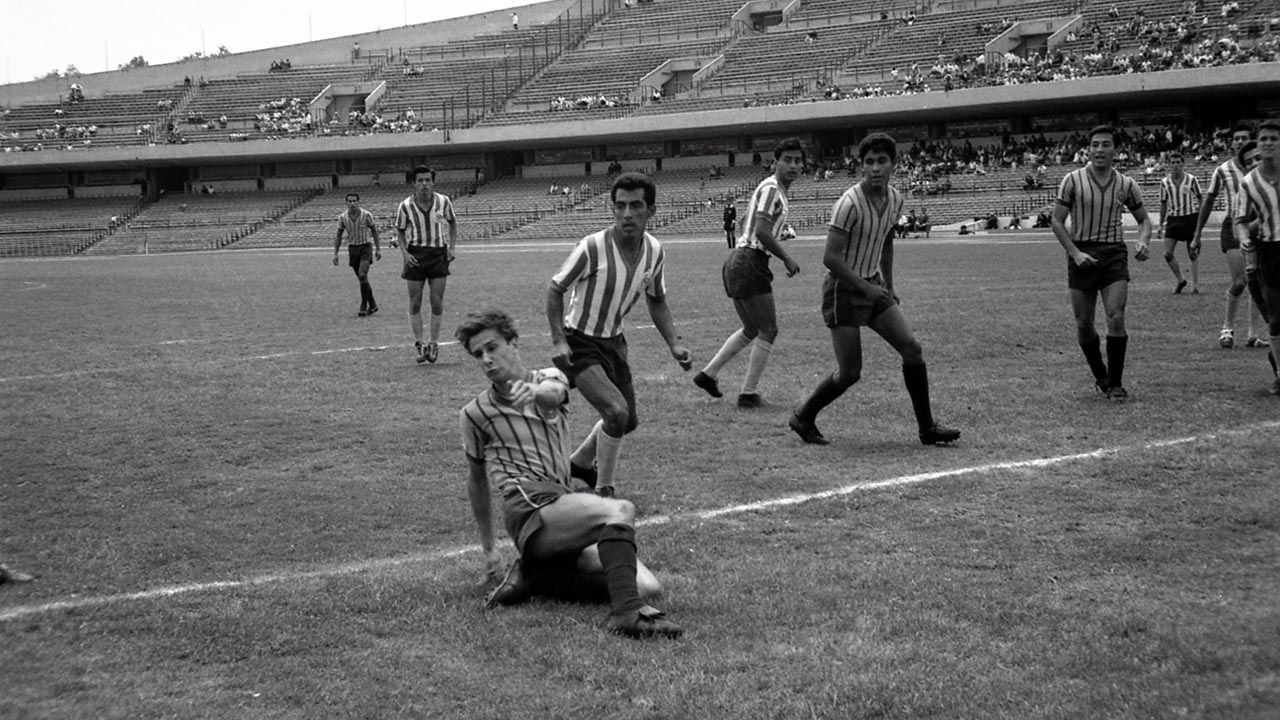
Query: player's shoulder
[[471, 410]]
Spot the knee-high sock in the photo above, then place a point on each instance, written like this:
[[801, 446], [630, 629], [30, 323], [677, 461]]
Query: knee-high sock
[[1117, 345], [1257, 325], [735, 344], [607, 447], [1093, 353], [823, 395], [585, 455], [435, 327], [366, 292], [755, 367], [415, 322], [1233, 306], [617, 545], [916, 378], [1271, 356]]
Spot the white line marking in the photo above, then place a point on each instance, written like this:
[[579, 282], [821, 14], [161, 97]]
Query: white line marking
[[352, 568]]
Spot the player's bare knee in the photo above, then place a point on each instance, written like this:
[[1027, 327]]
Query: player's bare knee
[[633, 422], [769, 333], [622, 512], [1168, 257], [912, 353], [415, 308], [1237, 288]]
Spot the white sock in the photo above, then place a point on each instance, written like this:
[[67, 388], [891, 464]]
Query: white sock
[[755, 367], [735, 344], [585, 455], [415, 322], [1233, 306], [1257, 327], [435, 327], [607, 447]]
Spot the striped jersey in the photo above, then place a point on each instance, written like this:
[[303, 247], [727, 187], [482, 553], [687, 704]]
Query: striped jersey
[[424, 227], [769, 200], [1096, 208], [603, 286], [360, 229], [1226, 179], [1258, 200], [1183, 198], [524, 443], [868, 229]]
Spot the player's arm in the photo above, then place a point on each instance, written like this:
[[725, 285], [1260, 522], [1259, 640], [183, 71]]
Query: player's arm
[[453, 231], [886, 264], [377, 242], [661, 314], [555, 320], [1206, 208], [833, 261], [337, 243], [1164, 213], [1059, 225], [1144, 232], [764, 235], [482, 510], [1245, 219]]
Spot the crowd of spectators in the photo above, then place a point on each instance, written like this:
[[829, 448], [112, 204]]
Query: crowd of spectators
[[587, 102], [284, 65]]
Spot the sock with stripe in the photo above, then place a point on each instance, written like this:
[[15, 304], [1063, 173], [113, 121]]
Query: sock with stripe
[[735, 344], [916, 378], [617, 546], [607, 447], [1117, 345], [823, 395], [1093, 354], [755, 366]]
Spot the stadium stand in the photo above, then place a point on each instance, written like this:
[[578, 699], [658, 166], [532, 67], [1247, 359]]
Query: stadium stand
[[61, 227]]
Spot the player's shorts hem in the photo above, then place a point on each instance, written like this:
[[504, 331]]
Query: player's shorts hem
[[1227, 239], [1180, 228], [746, 273], [1112, 266], [844, 306], [521, 505], [610, 353], [359, 254], [433, 263]]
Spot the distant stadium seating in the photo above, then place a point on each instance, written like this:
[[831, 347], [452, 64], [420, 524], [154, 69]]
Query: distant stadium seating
[[60, 227]]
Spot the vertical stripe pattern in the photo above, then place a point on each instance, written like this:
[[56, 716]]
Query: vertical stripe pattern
[[602, 288], [1097, 207], [1226, 179], [519, 443], [768, 200], [867, 229], [1259, 200], [358, 230], [1184, 198], [424, 227]]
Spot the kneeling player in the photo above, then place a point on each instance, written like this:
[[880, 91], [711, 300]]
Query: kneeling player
[[858, 292], [571, 544]]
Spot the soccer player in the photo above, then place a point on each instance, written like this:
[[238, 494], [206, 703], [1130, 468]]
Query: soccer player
[[604, 276], [730, 222], [748, 281], [420, 236], [1097, 258], [1258, 206], [1226, 181], [358, 225], [516, 433], [1180, 198], [858, 291], [1249, 157]]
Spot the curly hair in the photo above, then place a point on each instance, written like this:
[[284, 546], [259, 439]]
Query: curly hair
[[491, 319]]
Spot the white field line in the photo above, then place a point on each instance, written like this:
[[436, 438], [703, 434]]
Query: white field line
[[375, 564]]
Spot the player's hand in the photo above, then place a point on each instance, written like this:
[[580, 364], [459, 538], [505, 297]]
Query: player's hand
[[1159, 233], [410, 260], [560, 355], [492, 567], [335, 260], [792, 268], [1082, 259], [522, 393], [682, 356], [451, 257], [1143, 252], [1193, 249], [377, 256]]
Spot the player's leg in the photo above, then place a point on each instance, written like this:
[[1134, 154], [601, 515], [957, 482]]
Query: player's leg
[[1084, 307], [1115, 297], [892, 325], [367, 303], [617, 419], [1235, 263], [1194, 257], [1171, 244], [846, 341], [708, 378], [415, 317], [582, 579], [436, 287], [760, 311]]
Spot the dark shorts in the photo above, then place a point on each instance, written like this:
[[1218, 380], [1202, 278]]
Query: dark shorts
[[1268, 269], [432, 263], [609, 353], [1112, 266], [358, 255], [1181, 228], [746, 273], [845, 306], [520, 506], [1228, 237]]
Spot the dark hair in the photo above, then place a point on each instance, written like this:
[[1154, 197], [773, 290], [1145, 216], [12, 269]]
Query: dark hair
[[419, 169], [634, 181], [1246, 148], [1103, 130], [353, 195], [1173, 154], [1242, 127], [491, 319], [1271, 124], [791, 144], [878, 142]]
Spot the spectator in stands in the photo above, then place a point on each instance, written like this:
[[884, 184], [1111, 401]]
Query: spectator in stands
[[355, 50], [515, 21], [922, 222]]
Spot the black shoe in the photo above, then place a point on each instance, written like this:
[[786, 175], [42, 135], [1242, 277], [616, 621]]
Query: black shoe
[[644, 623], [749, 400], [606, 491], [7, 575], [1275, 388], [433, 352], [1181, 284], [939, 434], [513, 589], [588, 475], [421, 351], [708, 383], [1117, 394], [1103, 385], [807, 431], [372, 309]]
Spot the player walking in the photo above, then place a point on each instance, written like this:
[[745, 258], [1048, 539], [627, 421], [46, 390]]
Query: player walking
[[1258, 208], [1180, 199], [420, 237], [358, 225]]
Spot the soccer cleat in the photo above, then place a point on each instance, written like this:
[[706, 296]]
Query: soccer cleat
[[708, 383], [606, 491], [421, 351], [1227, 338], [1181, 284], [1257, 342], [1195, 291], [372, 309], [807, 431], [587, 475], [939, 434], [749, 400], [433, 352], [13, 576], [1102, 384], [1117, 394], [513, 589], [646, 622], [362, 312]]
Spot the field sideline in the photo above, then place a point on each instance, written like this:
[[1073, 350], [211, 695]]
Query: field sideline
[[242, 500]]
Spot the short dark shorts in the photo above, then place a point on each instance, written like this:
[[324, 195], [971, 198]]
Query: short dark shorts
[[432, 263], [1268, 271], [1228, 236], [1112, 266], [358, 255], [845, 306], [609, 353], [520, 506], [746, 273], [1181, 228]]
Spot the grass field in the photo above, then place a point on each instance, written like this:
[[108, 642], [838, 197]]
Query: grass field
[[243, 501]]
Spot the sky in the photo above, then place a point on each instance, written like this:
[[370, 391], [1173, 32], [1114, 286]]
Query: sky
[[100, 35]]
